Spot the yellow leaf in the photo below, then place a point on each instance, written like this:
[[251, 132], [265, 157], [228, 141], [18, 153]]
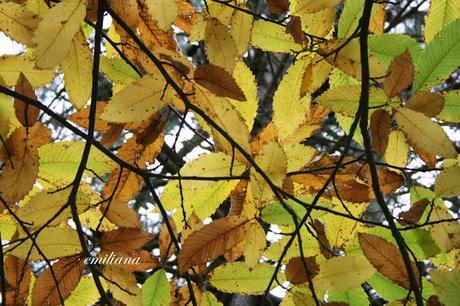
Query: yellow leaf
[[447, 286], [341, 273], [236, 277], [424, 133], [448, 182], [39, 7], [298, 155], [64, 242], [44, 205], [220, 46], [254, 243], [241, 26], [271, 37], [397, 150], [123, 286], [446, 235], [77, 68], [299, 7], [8, 226], [8, 119], [85, 293], [163, 12], [54, 35], [273, 161], [139, 100], [18, 22], [289, 110], [11, 67], [440, 14], [318, 23], [211, 241]]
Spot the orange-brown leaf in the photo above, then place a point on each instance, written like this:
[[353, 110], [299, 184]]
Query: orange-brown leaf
[[120, 214], [278, 7], [211, 241], [386, 258], [400, 75], [295, 270], [17, 274], [428, 103], [218, 81], [21, 161], [167, 247], [26, 114], [294, 27], [380, 129], [124, 239], [67, 271]]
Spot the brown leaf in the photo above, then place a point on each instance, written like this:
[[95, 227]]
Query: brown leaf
[[278, 7], [428, 103], [400, 75], [21, 161], [294, 27], [124, 239], [387, 259], [112, 134], [120, 214], [413, 215], [17, 274], [167, 247], [380, 128], [211, 241], [68, 271], [295, 270], [238, 197], [218, 81], [324, 244], [82, 115], [433, 301], [26, 114]]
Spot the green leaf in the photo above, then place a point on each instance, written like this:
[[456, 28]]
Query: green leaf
[[118, 70], [386, 288], [440, 14], [447, 286], [271, 37], [354, 296], [59, 162], [451, 109], [387, 46], [439, 59], [235, 277], [274, 213], [155, 291]]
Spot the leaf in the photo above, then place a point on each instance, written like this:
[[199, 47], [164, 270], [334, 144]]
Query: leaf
[[21, 161], [59, 161], [18, 276], [18, 22], [235, 277], [450, 111], [26, 114], [387, 46], [240, 29], [44, 205], [163, 12], [445, 234], [218, 81], [380, 129], [255, 243], [127, 10], [427, 103], [64, 242], [12, 66], [352, 12], [211, 241], [345, 99], [54, 35], [440, 14], [447, 182], [117, 70], [397, 151], [400, 75], [413, 215], [311, 6], [124, 239], [67, 271], [342, 273], [424, 133], [8, 121], [439, 59], [273, 161], [278, 7], [289, 110], [447, 286], [220, 46], [123, 285], [77, 68], [85, 293], [387, 259], [155, 291], [120, 214], [295, 270], [271, 37], [139, 100]]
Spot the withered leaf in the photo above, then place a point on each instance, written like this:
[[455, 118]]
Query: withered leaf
[[400, 75], [218, 81]]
